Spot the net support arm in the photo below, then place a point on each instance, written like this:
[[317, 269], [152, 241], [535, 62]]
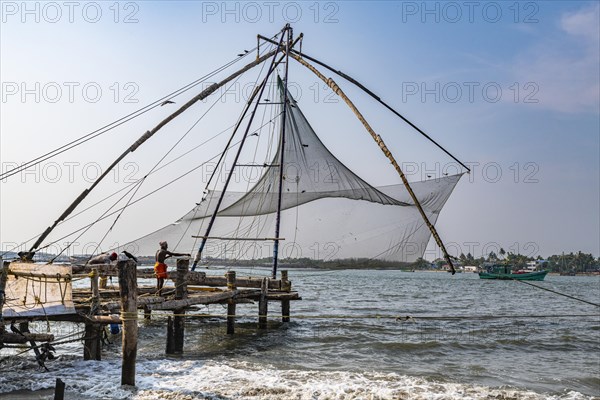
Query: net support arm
[[331, 83], [377, 98], [202, 95]]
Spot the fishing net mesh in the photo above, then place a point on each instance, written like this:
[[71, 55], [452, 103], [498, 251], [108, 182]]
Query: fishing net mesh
[[328, 211]]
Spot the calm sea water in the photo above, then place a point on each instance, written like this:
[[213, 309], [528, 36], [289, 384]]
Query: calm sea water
[[466, 338]]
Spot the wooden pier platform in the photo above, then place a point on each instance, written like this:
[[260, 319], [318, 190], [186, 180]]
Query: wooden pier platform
[[99, 305]]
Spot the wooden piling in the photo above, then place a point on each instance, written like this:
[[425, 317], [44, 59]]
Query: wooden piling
[[3, 279], [24, 329], [92, 347], [285, 304], [230, 275], [183, 266], [170, 349], [128, 293], [147, 314], [95, 291], [263, 304], [59, 390], [24, 326], [285, 311]]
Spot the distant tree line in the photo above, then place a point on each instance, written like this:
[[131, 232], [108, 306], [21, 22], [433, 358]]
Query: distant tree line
[[571, 262]]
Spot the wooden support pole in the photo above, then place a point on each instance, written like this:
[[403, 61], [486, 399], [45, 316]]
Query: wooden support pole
[[170, 340], [230, 275], [263, 304], [24, 337], [3, 279], [105, 319], [95, 291], [128, 293], [103, 281], [286, 285], [92, 347], [378, 139], [183, 266], [147, 313], [285, 311], [24, 327], [59, 390]]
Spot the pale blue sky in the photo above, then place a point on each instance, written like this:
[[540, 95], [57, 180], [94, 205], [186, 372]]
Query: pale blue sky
[[541, 131]]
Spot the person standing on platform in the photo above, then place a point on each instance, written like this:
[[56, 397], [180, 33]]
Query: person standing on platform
[[160, 268]]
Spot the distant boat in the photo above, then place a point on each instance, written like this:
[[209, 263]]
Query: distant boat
[[505, 272]]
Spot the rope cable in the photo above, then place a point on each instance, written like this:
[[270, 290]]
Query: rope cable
[[117, 122]]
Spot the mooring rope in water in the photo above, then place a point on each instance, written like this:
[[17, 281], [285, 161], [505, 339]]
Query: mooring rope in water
[[559, 293]]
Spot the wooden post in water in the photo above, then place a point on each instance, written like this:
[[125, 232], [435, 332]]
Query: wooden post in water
[[92, 349], [59, 390], [183, 266], [263, 304], [3, 279], [24, 326], [147, 313], [230, 275], [285, 304], [170, 339], [128, 293]]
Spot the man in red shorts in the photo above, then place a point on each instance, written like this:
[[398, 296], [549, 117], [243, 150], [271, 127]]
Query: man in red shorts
[[160, 268]]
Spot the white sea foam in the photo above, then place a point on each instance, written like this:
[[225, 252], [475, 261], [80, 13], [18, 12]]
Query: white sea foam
[[193, 379]]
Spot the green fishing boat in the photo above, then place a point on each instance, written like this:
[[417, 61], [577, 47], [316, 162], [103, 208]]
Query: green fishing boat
[[505, 272]]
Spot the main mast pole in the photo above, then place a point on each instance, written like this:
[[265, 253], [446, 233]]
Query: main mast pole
[[289, 32], [259, 91]]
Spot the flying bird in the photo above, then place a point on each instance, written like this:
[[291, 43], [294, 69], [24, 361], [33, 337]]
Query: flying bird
[[164, 103], [254, 134], [130, 256]]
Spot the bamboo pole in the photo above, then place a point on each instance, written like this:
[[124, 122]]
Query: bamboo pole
[[379, 140], [205, 93], [259, 90], [128, 293], [288, 30], [373, 95]]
